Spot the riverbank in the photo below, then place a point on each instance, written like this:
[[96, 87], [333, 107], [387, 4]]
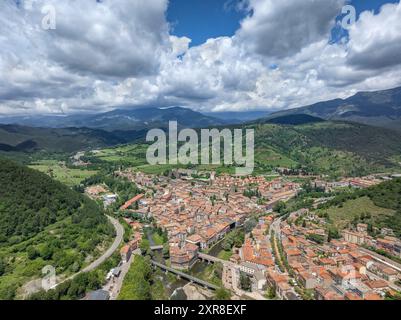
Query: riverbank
[[194, 292]]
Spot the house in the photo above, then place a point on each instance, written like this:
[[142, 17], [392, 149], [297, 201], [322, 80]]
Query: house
[[327, 294], [278, 281], [354, 237], [183, 257], [197, 240], [126, 253], [307, 279], [383, 271], [130, 202]]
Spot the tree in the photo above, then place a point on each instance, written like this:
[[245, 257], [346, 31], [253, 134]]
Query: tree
[[145, 247], [2, 267], [218, 270], [250, 224], [46, 253], [136, 285], [280, 207], [333, 233], [166, 251], [245, 282], [271, 293], [32, 253], [222, 294]]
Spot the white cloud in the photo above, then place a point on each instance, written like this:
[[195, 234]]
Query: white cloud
[[282, 28], [376, 39], [120, 53]]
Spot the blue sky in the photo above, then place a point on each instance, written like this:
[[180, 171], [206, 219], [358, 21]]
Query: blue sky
[[204, 19], [200, 20]]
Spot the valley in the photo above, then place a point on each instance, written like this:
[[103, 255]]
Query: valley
[[214, 150], [110, 167]]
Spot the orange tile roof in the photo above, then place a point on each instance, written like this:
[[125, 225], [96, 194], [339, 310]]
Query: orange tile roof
[[372, 296], [126, 205]]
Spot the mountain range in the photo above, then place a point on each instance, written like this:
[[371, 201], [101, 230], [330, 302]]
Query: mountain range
[[378, 108], [27, 139], [325, 136], [121, 119]]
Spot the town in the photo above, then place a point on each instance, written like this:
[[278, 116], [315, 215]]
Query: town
[[280, 256]]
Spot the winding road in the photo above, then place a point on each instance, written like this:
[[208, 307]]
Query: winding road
[[117, 241]]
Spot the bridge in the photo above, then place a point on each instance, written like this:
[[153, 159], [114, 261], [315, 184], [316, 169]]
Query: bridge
[[184, 275], [209, 258], [156, 248]]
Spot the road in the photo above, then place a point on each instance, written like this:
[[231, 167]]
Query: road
[[117, 241], [275, 226], [113, 286], [382, 259]]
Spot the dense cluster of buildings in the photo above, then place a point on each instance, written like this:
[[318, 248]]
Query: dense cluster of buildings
[[360, 183], [334, 270], [101, 192], [198, 213], [386, 241]]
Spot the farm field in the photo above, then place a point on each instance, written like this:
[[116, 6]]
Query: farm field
[[60, 172]]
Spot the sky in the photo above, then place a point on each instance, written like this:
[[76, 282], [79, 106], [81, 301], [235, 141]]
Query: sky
[[200, 20], [208, 55]]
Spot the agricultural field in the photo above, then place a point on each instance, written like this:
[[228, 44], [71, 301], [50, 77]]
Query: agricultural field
[[58, 171], [132, 154]]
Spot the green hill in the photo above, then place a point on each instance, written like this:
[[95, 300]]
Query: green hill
[[43, 222], [334, 148], [319, 147], [377, 108], [16, 138], [378, 206], [292, 119]]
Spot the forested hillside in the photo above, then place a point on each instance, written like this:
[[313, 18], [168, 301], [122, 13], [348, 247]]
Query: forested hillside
[[371, 203], [30, 201], [43, 222], [334, 148], [305, 144], [16, 138]]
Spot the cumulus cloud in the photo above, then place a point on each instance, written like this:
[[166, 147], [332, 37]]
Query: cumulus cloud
[[282, 28], [111, 53], [376, 39]]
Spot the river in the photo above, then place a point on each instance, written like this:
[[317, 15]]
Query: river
[[174, 285]]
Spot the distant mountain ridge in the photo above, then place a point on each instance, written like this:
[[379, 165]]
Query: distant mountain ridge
[[27, 139], [238, 117], [121, 119], [292, 119], [377, 108]]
